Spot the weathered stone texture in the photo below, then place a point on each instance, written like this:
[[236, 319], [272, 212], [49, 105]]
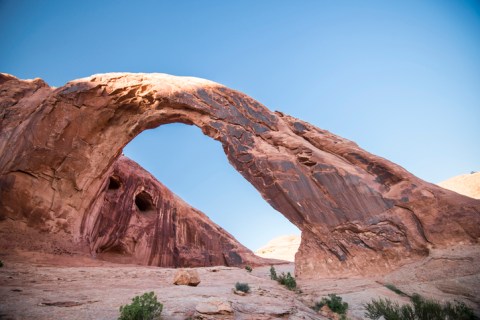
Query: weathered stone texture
[[358, 212], [136, 219]]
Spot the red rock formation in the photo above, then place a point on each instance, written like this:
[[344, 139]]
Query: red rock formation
[[357, 212], [136, 219]]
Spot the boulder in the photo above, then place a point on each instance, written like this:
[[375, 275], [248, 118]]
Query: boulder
[[187, 277]]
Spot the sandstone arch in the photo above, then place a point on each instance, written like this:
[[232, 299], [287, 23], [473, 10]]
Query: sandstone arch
[[357, 212]]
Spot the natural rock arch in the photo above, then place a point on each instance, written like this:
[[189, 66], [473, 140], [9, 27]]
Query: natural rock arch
[[357, 212]]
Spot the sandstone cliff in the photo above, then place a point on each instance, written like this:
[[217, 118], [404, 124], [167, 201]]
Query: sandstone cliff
[[357, 212]]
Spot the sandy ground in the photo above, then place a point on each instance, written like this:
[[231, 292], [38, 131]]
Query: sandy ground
[[38, 286]]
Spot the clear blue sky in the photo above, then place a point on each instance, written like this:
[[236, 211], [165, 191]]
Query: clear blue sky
[[400, 78]]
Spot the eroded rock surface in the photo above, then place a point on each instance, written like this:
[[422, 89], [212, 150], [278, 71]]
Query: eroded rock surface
[[359, 213], [214, 306], [136, 219]]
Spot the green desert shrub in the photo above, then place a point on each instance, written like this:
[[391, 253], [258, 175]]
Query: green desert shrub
[[248, 268], [287, 280], [419, 309], [244, 287], [273, 273], [284, 279], [144, 307], [389, 310], [1, 263], [334, 302]]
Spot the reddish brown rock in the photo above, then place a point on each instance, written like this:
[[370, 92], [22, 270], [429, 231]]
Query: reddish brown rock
[[136, 219], [358, 212]]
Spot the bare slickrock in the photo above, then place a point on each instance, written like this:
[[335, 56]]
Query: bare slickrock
[[186, 278], [41, 286], [358, 213], [214, 306], [42, 291]]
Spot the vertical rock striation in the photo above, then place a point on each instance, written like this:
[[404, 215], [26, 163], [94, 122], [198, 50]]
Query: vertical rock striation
[[136, 219]]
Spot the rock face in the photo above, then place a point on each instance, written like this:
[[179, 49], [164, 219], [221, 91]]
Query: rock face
[[283, 248], [358, 212], [136, 219], [466, 184]]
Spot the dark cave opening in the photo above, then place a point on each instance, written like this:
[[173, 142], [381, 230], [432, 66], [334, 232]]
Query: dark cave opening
[[114, 183], [144, 201]]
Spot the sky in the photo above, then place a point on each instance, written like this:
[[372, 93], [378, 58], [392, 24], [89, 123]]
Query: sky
[[400, 78]]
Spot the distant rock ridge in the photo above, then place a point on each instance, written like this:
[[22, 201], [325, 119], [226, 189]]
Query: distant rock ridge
[[466, 184], [358, 213], [282, 248]]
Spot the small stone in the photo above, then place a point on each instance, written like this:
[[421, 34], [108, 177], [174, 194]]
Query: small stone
[[240, 293]]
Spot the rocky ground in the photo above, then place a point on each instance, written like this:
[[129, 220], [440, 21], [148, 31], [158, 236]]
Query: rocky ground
[[39, 286]]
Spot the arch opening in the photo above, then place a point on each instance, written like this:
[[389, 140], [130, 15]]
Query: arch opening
[[193, 166]]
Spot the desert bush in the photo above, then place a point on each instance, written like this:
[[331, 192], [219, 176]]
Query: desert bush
[[284, 279], [389, 310], [334, 302], [273, 273], [145, 307], [287, 280], [248, 268], [244, 287], [419, 309], [395, 289], [1, 263]]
